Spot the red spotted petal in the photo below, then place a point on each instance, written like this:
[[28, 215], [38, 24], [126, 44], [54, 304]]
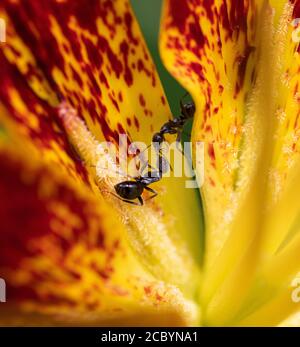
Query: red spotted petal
[[72, 255]]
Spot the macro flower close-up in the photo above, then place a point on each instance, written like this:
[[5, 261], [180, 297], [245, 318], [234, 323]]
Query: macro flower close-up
[[82, 246]]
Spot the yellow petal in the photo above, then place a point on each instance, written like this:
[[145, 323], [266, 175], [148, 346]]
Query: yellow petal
[[249, 126], [148, 226], [65, 254], [95, 57], [86, 61], [210, 47], [282, 219], [47, 58], [274, 313], [293, 321]]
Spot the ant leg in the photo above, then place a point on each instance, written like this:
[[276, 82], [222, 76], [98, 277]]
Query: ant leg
[[146, 164], [185, 94], [134, 203], [144, 167], [152, 191], [162, 162], [184, 112], [114, 171], [158, 153], [181, 103], [178, 142], [128, 201], [144, 150], [178, 138], [138, 155]]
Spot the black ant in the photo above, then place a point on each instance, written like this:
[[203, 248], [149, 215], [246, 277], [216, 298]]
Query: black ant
[[131, 190], [128, 191], [174, 126]]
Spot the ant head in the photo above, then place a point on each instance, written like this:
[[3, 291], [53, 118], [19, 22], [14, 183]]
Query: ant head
[[158, 137], [188, 109]]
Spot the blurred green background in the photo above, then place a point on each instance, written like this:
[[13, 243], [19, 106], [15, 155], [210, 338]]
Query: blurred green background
[[148, 15]]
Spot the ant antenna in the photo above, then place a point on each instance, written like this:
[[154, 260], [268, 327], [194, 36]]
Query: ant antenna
[[126, 200], [114, 171], [182, 98]]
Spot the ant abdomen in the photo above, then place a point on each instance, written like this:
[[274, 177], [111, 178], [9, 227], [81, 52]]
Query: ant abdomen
[[129, 190]]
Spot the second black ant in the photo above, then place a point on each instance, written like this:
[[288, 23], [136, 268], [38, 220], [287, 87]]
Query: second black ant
[[172, 127]]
